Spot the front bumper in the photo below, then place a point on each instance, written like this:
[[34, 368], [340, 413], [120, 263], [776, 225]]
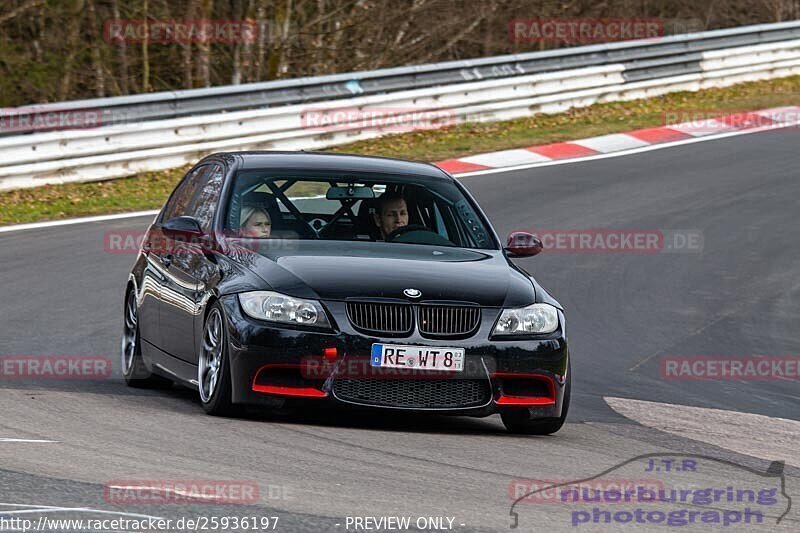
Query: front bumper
[[274, 365]]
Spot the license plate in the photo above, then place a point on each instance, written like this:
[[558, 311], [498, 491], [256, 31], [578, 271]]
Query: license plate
[[422, 357]]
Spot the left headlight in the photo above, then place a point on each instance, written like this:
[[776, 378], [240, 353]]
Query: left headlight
[[277, 307], [531, 320]]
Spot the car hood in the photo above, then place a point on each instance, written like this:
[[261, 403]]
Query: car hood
[[336, 270]]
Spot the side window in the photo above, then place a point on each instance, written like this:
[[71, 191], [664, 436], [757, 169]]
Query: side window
[[178, 204], [204, 204]]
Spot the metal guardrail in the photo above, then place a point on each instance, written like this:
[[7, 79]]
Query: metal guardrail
[[125, 149], [643, 60]]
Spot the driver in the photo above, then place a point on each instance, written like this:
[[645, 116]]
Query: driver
[[391, 213]]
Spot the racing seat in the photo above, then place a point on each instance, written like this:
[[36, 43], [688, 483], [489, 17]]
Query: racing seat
[[365, 222]]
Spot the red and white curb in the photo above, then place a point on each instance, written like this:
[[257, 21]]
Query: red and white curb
[[779, 117]]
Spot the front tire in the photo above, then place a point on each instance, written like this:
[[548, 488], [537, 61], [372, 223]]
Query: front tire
[[134, 370], [518, 420], [213, 367]]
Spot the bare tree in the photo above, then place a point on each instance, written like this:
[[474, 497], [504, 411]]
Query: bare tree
[[46, 45], [204, 48], [73, 41], [145, 49], [122, 47], [97, 61]]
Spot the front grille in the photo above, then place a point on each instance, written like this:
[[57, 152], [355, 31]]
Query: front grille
[[381, 318], [451, 393], [448, 319]]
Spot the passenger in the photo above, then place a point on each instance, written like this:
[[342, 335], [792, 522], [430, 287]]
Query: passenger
[[391, 212], [255, 222]]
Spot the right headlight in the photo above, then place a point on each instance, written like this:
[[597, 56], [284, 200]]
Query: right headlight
[[531, 320], [277, 307]]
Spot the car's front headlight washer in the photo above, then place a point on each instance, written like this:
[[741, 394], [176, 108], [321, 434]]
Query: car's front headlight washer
[[536, 319], [277, 307]]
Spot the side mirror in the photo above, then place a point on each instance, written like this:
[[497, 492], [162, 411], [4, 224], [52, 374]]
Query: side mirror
[[182, 228], [522, 244]]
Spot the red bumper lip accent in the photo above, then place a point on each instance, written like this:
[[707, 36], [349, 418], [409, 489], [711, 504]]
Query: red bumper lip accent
[[280, 390], [524, 400], [527, 400], [303, 392]]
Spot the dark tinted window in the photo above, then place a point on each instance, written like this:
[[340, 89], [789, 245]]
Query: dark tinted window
[[178, 204], [205, 201]]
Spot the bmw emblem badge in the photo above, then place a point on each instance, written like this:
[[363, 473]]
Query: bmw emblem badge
[[412, 293]]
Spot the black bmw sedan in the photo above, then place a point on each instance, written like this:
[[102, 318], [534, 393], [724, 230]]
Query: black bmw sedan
[[309, 279]]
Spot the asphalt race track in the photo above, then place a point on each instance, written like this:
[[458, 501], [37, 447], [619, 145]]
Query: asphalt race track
[[737, 296]]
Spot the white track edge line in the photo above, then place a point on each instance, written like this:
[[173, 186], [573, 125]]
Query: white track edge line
[[71, 221], [25, 440]]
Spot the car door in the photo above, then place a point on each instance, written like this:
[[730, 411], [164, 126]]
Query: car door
[[188, 267], [159, 257]]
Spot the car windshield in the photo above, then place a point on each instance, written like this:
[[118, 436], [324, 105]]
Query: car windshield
[[354, 207]]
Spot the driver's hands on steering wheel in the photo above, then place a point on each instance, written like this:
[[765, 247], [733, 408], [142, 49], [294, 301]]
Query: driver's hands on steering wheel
[[402, 230]]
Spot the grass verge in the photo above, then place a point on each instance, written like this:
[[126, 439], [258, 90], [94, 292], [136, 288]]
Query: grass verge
[[148, 190]]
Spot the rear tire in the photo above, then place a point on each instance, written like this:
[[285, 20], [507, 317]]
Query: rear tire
[[133, 368], [518, 420], [213, 366]]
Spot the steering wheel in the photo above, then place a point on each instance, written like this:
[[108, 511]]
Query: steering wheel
[[402, 230], [317, 225]]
